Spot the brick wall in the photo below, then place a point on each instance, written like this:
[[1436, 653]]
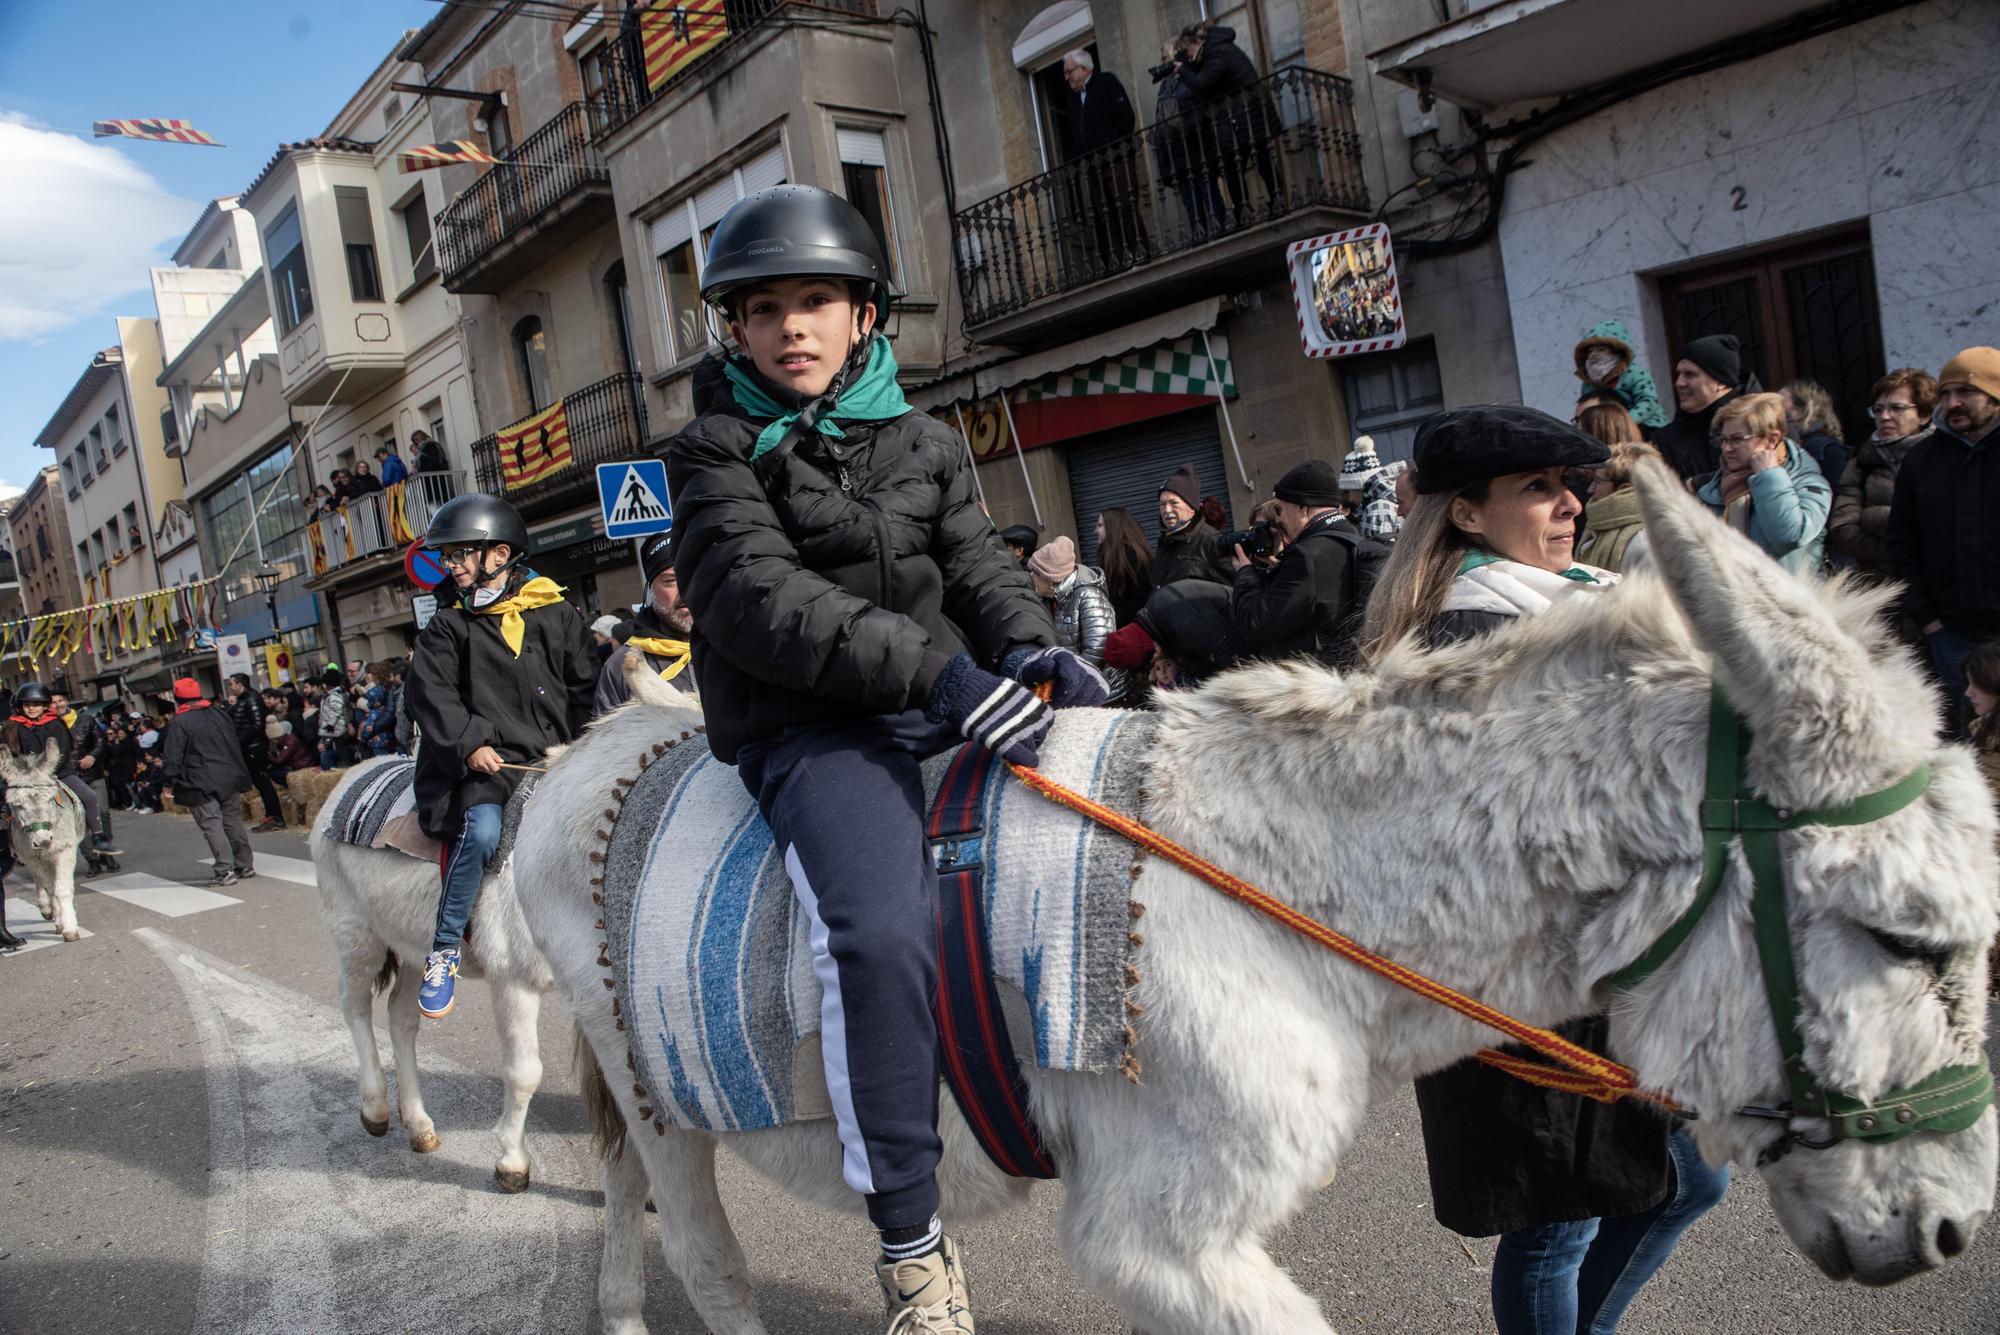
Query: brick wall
[[1326, 44]]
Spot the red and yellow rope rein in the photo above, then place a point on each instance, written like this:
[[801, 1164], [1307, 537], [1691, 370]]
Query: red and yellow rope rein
[[1588, 1074]]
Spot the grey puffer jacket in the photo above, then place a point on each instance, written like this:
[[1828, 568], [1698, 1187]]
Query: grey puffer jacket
[[1859, 526], [1084, 618]]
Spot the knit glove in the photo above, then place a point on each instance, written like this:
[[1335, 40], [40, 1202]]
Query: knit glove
[[997, 714], [1072, 680]]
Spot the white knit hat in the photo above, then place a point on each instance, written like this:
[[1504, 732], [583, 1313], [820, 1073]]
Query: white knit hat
[[1361, 461]]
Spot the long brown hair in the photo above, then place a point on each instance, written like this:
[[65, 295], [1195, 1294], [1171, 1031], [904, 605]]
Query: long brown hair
[[1411, 591], [1608, 422], [1125, 558]]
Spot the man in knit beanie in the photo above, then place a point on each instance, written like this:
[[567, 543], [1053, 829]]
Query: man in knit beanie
[[1943, 543], [1187, 541], [1310, 604], [1708, 374]]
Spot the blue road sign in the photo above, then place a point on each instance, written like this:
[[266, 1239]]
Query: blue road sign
[[633, 496]]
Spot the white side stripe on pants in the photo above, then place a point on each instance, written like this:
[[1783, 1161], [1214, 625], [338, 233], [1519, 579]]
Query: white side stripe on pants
[[833, 1036]]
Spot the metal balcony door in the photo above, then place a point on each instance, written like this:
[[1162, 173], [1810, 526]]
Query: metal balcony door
[[1800, 313]]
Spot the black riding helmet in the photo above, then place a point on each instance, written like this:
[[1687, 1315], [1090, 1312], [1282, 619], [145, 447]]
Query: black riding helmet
[[794, 231], [31, 693], [479, 520]]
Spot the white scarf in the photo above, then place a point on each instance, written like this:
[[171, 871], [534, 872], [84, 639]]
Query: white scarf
[[1512, 589]]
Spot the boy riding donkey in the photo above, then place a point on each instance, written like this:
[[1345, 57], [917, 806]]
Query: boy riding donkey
[[494, 683], [35, 725], [855, 612]]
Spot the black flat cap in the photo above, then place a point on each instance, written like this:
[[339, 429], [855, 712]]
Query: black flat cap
[[1467, 445]]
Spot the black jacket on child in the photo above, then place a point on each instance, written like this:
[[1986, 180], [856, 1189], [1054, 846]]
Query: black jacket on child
[[203, 757], [466, 689], [30, 737], [834, 580]]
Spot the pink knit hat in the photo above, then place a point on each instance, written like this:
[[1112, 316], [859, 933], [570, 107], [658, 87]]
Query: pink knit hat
[[1055, 562]]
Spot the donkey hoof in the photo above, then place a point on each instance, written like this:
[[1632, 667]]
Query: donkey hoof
[[510, 1181], [373, 1127], [73, 935], [423, 1142]]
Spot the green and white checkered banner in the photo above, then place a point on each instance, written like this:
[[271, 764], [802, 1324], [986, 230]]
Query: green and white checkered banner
[[1179, 367]]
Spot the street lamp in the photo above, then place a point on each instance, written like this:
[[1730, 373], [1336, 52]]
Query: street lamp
[[268, 578]]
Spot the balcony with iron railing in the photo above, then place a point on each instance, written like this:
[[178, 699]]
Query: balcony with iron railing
[[356, 536], [624, 93], [553, 188], [1196, 203], [601, 423]]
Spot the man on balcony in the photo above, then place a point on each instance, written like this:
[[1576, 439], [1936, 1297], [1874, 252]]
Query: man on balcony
[[1100, 135], [393, 468]]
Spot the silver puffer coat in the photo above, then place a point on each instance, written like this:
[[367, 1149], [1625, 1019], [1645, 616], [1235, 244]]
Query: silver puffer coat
[[1083, 615]]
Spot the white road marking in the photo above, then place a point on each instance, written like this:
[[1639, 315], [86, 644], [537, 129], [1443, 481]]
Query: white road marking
[[25, 921], [315, 1226], [171, 899], [282, 868]]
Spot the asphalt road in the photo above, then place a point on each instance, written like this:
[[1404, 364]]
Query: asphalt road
[[181, 1153]]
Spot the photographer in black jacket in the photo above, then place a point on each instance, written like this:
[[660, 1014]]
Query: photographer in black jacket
[[1311, 602]]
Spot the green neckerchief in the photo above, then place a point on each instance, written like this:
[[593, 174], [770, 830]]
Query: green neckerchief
[[1479, 556], [875, 397]]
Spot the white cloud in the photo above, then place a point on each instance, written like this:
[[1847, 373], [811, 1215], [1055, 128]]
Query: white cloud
[[79, 226], [8, 491]]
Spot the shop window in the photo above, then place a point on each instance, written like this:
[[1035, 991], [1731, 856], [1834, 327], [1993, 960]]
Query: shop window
[[291, 288]]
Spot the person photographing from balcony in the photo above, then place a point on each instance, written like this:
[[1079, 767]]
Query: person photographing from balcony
[[494, 682], [854, 613]]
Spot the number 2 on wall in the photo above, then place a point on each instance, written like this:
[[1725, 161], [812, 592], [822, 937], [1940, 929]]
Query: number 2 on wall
[[1736, 196]]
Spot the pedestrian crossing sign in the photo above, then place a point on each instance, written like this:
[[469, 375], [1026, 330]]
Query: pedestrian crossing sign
[[633, 496]]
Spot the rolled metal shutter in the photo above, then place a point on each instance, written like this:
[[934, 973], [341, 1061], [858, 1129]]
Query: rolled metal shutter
[[1126, 467]]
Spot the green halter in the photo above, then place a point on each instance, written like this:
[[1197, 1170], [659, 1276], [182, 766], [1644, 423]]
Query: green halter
[[1948, 1100]]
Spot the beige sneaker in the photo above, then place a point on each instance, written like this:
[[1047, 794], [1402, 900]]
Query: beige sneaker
[[927, 1296]]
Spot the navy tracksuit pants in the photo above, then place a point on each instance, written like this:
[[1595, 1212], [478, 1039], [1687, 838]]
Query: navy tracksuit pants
[[845, 802]]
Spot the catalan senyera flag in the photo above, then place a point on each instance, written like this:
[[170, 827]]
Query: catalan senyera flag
[[438, 155], [535, 447], [156, 128], [676, 35]]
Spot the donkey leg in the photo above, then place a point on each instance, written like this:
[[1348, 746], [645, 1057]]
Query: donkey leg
[[516, 1010], [1227, 1287], [700, 1246], [621, 1274], [403, 1019], [45, 903], [65, 900], [358, 972]]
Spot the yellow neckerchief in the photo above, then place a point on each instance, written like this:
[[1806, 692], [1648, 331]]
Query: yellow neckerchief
[[69, 720], [658, 647], [537, 592]]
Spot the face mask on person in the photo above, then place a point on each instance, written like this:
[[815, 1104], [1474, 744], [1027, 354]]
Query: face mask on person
[[1598, 364], [482, 595]]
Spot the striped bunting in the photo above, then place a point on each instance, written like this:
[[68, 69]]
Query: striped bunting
[[439, 155], [157, 128]]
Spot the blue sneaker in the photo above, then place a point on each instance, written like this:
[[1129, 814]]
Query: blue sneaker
[[440, 978]]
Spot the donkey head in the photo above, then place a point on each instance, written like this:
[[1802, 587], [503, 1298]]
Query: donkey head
[[39, 802], [1890, 920]]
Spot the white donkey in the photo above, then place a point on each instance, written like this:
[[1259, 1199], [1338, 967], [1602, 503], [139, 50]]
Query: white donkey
[[46, 823], [1518, 817], [381, 910]]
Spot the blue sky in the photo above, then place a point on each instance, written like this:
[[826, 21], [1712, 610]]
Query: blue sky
[[82, 220]]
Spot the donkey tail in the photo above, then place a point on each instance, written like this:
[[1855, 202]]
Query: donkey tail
[[600, 1110]]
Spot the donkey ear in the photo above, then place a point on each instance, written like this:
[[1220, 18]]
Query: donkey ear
[[48, 759], [1788, 664]]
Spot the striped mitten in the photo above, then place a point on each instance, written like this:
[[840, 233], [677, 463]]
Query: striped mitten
[[1000, 715]]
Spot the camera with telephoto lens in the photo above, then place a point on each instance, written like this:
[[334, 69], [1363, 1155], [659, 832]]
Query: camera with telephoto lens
[[1165, 67], [1259, 540]]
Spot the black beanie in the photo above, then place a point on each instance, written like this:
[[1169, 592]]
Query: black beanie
[[1720, 355], [1314, 482], [656, 555], [1185, 485]]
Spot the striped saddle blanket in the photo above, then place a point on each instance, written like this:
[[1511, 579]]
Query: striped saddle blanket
[[710, 962], [376, 807]]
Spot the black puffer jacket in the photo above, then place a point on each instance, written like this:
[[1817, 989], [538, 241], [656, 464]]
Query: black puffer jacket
[[466, 689], [1190, 553], [246, 715], [30, 737], [202, 757], [1306, 605], [833, 581], [1191, 623]]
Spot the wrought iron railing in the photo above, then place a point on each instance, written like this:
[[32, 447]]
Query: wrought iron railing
[[379, 522], [602, 423], [625, 92], [1282, 144], [544, 169]]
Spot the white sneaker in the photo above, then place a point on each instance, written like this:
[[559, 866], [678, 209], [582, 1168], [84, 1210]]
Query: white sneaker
[[927, 1296]]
